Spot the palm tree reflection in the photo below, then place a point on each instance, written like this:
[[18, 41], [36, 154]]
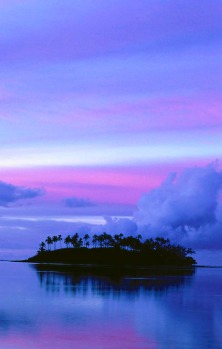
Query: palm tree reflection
[[108, 281]]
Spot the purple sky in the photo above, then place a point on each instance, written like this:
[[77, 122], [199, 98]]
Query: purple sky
[[101, 100]]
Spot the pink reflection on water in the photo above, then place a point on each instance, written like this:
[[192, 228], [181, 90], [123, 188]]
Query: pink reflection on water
[[100, 337]]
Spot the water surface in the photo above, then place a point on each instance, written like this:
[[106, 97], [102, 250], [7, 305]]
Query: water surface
[[60, 308]]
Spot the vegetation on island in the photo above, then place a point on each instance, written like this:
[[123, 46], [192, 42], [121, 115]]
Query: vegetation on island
[[112, 250]]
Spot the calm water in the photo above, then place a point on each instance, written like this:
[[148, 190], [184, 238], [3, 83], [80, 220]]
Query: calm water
[[59, 309]]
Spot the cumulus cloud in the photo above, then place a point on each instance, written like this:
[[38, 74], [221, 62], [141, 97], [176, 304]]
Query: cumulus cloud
[[188, 200], [10, 193], [117, 226], [185, 207], [75, 202]]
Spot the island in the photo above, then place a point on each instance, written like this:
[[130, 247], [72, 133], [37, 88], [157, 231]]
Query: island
[[117, 250]]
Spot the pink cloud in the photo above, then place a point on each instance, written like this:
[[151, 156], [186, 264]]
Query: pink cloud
[[180, 112]]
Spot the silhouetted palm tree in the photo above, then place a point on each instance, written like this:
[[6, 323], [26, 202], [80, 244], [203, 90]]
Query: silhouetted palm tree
[[59, 238], [75, 240], [42, 247], [118, 239], [106, 240], [86, 238], [49, 241], [100, 240], [79, 243], [55, 239], [95, 240], [68, 240]]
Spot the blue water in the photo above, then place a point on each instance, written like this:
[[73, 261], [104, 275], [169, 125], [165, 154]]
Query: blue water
[[57, 308]]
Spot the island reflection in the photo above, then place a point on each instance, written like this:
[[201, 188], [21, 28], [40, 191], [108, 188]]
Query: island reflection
[[108, 281]]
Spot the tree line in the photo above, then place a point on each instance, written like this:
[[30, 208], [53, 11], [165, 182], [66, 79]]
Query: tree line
[[159, 245]]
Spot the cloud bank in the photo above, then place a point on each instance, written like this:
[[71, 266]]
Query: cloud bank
[[9, 193]]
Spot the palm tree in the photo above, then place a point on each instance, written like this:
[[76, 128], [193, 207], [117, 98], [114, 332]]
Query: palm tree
[[131, 243], [55, 239], [100, 240], [107, 240], [74, 240], [79, 243], [59, 238], [86, 237], [42, 247], [68, 240], [139, 237], [49, 241], [118, 240], [161, 241], [95, 240]]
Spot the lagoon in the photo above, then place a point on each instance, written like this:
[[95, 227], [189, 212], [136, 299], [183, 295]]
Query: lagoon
[[58, 307]]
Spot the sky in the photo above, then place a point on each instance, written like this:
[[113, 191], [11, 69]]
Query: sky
[[100, 101]]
